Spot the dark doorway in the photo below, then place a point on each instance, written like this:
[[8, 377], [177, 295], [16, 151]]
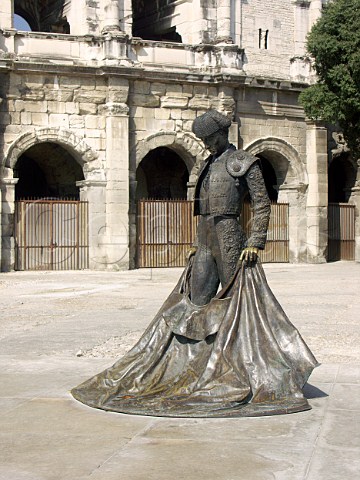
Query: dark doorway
[[162, 174], [269, 178], [341, 178], [42, 16], [47, 170]]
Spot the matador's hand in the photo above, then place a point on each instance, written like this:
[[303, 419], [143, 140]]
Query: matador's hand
[[191, 252], [249, 255]]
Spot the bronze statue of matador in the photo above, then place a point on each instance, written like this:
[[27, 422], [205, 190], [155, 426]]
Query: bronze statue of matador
[[224, 181]]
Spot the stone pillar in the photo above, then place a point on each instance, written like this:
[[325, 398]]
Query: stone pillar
[[6, 13], [94, 192], [117, 191], [355, 200], [294, 195], [7, 210], [82, 16], [224, 30], [317, 195], [111, 21], [126, 16], [314, 12]]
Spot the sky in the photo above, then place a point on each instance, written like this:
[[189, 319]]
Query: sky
[[21, 24]]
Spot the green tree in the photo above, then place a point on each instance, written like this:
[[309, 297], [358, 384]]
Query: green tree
[[334, 44]]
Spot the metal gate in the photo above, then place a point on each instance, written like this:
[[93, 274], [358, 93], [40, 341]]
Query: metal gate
[[51, 235], [277, 241], [167, 229], [341, 232]]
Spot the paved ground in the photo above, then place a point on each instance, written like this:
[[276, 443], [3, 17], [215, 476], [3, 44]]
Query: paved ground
[[57, 329]]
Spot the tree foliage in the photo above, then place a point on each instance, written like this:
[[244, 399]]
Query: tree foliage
[[334, 44]]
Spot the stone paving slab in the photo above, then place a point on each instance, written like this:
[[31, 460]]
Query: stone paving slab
[[48, 318]]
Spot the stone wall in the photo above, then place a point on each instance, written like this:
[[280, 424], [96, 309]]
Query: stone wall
[[109, 99]]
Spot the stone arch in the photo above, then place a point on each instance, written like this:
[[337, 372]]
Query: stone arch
[[290, 169], [186, 145], [77, 146]]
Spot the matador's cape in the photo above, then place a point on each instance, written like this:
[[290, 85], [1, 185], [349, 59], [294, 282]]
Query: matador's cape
[[237, 356]]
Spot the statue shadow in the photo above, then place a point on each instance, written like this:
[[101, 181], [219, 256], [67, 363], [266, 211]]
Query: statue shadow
[[310, 391]]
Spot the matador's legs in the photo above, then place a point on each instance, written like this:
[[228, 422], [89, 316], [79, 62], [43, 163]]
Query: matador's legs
[[220, 241]]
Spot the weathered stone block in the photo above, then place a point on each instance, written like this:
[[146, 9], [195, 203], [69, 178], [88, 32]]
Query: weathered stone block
[[199, 103], [188, 114], [162, 114], [30, 106], [70, 82], [33, 80], [72, 108], [174, 102], [39, 119], [87, 108], [200, 90], [93, 121], [145, 100], [59, 120], [35, 95], [117, 82], [188, 90], [175, 114], [56, 107], [76, 121], [100, 83], [141, 87], [25, 118], [96, 143], [173, 88], [118, 96], [90, 97], [59, 95], [158, 88], [95, 133]]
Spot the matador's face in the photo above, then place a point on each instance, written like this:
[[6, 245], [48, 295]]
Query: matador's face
[[217, 142]]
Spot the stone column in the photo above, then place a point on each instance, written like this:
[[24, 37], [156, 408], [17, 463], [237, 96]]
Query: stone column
[[6, 13], [94, 192], [126, 16], [314, 12], [111, 21], [294, 195], [224, 30], [82, 16], [117, 191], [355, 200], [7, 210], [317, 195]]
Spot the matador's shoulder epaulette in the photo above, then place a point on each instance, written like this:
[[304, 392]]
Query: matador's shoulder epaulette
[[239, 163]]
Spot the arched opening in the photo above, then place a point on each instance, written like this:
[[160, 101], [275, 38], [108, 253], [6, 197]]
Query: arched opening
[[154, 20], [40, 16], [341, 179], [341, 211], [47, 170], [162, 175], [270, 178]]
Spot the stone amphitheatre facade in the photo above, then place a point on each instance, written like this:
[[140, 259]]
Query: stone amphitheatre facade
[[98, 92]]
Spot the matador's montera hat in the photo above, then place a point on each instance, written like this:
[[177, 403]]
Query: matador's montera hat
[[209, 123]]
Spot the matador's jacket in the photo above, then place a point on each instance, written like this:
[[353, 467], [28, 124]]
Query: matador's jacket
[[222, 185]]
